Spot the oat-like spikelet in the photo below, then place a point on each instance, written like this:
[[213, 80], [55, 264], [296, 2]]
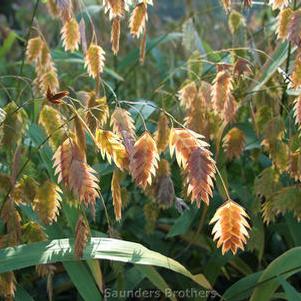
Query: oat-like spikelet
[[193, 156], [116, 8], [138, 19], [115, 35], [227, 4], [49, 81], [33, 232], [53, 124], [24, 191], [116, 194], [111, 147], [7, 286], [183, 142], [230, 109], [163, 187], [294, 168], [123, 125], [65, 8], [13, 126], [279, 4], [294, 28], [297, 111], [199, 173], [47, 271], [34, 48], [187, 94], [70, 35], [231, 227], [296, 74], [162, 133], [98, 112], [142, 48], [221, 90], [82, 233], [53, 8], [71, 166], [284, 18], [47, 202], [94, 60], [234, 143], [144, 160]]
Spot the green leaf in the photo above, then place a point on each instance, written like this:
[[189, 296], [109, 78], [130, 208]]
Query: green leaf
[[97, 248], [272, 65], [290, 291], [241, 290], [183, 223], [154, 277], [79, 274], [22, 294], [285, 265], [8, 43]]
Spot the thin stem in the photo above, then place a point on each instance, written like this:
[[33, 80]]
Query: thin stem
[[26, 42], [223, 183]]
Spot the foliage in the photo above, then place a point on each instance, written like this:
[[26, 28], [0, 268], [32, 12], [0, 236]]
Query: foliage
[[115, 162]]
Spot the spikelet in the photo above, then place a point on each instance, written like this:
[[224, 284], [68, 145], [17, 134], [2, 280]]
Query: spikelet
[[267, 183], [284, 18], [151, 213], [296, 74], [75, 173], [12, 220], [138, 19], [34, 48], [297, 111], [33, 232], [234, 143], [115, 35], [248, 3], [142, 48], [183, 142], [230, 109], [187, 94], [111, 147], [164, 189], [227, 4], [199, 173], [98, 112], [279, 4], [116, 194], [47, 202], [52, 8], [13, 126], [162, 133], [7, 286], [70, 35], [81, 237], [124, 126], [49, 81], [231, 227], [242, 67], [221, 90], [193, 156], [294, 28], [144, 160], [294, 168], [24, 191], [53, 124], [65, 9], [94, 60], [47, 271], [116, 8]]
